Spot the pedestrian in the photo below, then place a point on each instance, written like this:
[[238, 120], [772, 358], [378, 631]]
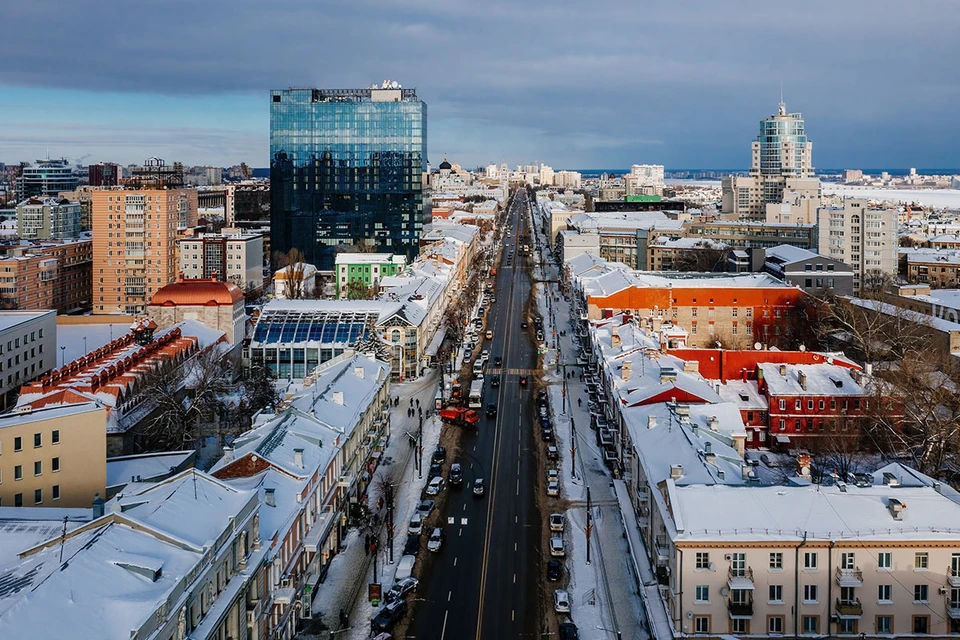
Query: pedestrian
[[418, 402], [579, 402], [420, 412], [344, 620], [411, 402]]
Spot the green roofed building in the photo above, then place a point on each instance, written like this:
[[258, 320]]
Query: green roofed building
[[366, 268]]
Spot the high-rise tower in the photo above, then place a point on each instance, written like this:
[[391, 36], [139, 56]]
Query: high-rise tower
[[346, 168]]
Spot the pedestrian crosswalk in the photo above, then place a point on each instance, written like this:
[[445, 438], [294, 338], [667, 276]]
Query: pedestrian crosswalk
[[512, 372]]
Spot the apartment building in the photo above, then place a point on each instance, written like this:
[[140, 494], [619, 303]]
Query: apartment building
[[817, 275], [28, 344], [134, 244], [862, 236], [236, 258], [53, 457], [48, 218], [366, 268], [47, 275], [934, 267]]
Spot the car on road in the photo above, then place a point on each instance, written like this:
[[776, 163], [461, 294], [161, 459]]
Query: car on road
[[523, 381], [556, 522], [561, 601], [405, 567], [523, 325], [415, 527], [425, 507], [554, 570], [568, 631], [436, 540], [547, 435], [478, 488], [553, 488], [552, 452], [478, 376], [389, 615], [485, 354], [498, 361], [400, 588], [489, 334], [435, 486], [456, 475], [412, 547], [439, 455], [556, 547], [495, 380], [543, 411], [491, 410]]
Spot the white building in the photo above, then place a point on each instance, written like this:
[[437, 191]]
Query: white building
[[28, 350], [48, 218], [644, 179], [236, 258], [861, 236]]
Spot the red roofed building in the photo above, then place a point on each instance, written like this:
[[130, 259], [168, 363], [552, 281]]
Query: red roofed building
[[218, 305]]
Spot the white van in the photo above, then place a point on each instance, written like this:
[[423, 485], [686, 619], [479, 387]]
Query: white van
[[478, 366]]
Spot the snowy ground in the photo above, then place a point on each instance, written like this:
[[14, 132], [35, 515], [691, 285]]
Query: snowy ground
[[345, 586]]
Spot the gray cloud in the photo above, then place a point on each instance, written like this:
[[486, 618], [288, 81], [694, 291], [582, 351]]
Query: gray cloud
[[571, 83]]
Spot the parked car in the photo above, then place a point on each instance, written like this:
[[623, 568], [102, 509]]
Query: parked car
[[389, 615], [556, 547], [412, 547], [552, 452], [523, 325], [425, 508], [435, 541], [478, 488], [568, 631], [553, 488], [489, 334], [478, 375], [416, 524], [491, 410], [547, 435], [561, 601], [556, 522], [435, 486], [553, 474], [543, 411], [554, 570], [495, 380], [400, 588], [436, 469], [456, 475], [405, 567], [439, 455], [485, 354]]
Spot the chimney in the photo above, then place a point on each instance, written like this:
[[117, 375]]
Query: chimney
[[228, 454], [783, 370], [298, 458], [691, 366], [97, 506], [896, 508], [268, 497], [626, 370], [714, 423], [614, 339], [676, 471], [651, 422], [338, 397], [802, 379], [359, 372]]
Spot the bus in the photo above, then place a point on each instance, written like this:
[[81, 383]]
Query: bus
[[475, 400]]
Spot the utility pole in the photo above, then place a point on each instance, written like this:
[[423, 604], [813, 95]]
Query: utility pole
[[420, 451], [589, 526], [374, 550], [573, 449], [390, 520]]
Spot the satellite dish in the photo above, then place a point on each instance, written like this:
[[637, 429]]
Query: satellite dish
[[724, 591], [803, 347], [689, 614], [757, 346]]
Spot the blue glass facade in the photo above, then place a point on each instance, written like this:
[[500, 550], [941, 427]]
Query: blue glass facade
[[346, 168]]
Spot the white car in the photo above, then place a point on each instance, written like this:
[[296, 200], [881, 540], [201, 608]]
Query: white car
[[436, 540], [561, 601], [556, 547], [553, 474], [485, 354], [553, 488], [556, 522], [435, 486], [405, 567], [416, 525]]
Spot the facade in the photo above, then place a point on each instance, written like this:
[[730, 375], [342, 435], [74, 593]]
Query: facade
[[46, 178], [644, 179], [47, 275], [28, 345], [247, 205], [365, 268], [937, 268], [48, 218], [233, 258], [746, 234], [862, 236], [347, 168], [215, 304], [817, 275], [134, 244], [781, 162], [104, 174], [295, 281], [54, 456]]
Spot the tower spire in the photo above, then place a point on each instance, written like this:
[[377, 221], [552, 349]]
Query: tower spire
[[783, 108]]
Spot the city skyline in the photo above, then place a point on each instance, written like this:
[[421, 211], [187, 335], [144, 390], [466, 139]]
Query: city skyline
[[681, 86]]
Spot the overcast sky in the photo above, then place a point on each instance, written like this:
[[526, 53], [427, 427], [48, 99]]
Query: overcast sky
[[600, 84]]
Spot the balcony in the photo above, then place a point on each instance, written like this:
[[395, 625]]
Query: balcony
[[953, 577], [849, 609], [740, 578], [740, 609], [849, 577], [663, 549], [953, 607]]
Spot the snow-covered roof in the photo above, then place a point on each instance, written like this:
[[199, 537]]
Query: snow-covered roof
[[710, 281], [370, 258], [743, 393], [11, 319], [24, 527], [820, 380], [688, 243], [146, 466], [787, 254], [892, 310]]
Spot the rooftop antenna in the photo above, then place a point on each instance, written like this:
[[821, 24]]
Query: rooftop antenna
[[783, 107]]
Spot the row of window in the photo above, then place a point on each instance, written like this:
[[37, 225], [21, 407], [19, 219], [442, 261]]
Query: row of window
[[37, 469], [37, 496], [883, 625], [15, 342], [37, 441], [848, 560], [811, 594]]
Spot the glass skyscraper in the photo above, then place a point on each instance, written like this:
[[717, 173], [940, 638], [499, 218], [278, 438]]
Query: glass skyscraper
[[346, 168]]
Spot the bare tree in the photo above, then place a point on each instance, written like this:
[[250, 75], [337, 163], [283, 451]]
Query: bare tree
[[704, 257], [294, 264]]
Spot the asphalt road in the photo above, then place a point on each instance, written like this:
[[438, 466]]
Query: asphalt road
[[483, 583]]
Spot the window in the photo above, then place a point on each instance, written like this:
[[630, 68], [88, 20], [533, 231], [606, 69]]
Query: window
[[37, 440], [38, 468], [18, 443], [703, 593], [920, 593], [810, 560], [811, 624], [776, 593], [847, 561], [846, 625], [920, 561], [55, 465], [884, 593], [776, 561], [56, 492], [738, 564], [884, 624], [18, 472], [701, 624], [921, 624], [807, 283], [55, 436], [740, 626], [703, 561], [37, 496], [775, 625], [809, 593], [18, 500], [783, 405], [796, 405]]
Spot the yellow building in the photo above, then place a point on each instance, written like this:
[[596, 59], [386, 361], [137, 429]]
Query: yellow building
[[54, 456]]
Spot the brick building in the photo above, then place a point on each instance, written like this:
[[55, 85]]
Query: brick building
[[49, 275]]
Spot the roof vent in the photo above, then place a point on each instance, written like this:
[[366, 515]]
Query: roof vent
[[359, 372], [651, 422], [676, 471], [714, 423], [783, 370], [338, 397], [890, 480], [896, 508], [626, 370], [228, 454], [668, 374], [269, 497], [298, 458], [802, 379]]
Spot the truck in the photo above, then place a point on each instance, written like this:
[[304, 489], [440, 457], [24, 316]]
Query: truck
[[459, 416], [475, 399]]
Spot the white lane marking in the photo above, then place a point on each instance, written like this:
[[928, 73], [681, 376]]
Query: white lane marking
[[514, 546], [461, 532], [514, 578], [518, 486], [443, 631], [450, 593], [464, 507], [513, 614], [455, 561], [463, 521]]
